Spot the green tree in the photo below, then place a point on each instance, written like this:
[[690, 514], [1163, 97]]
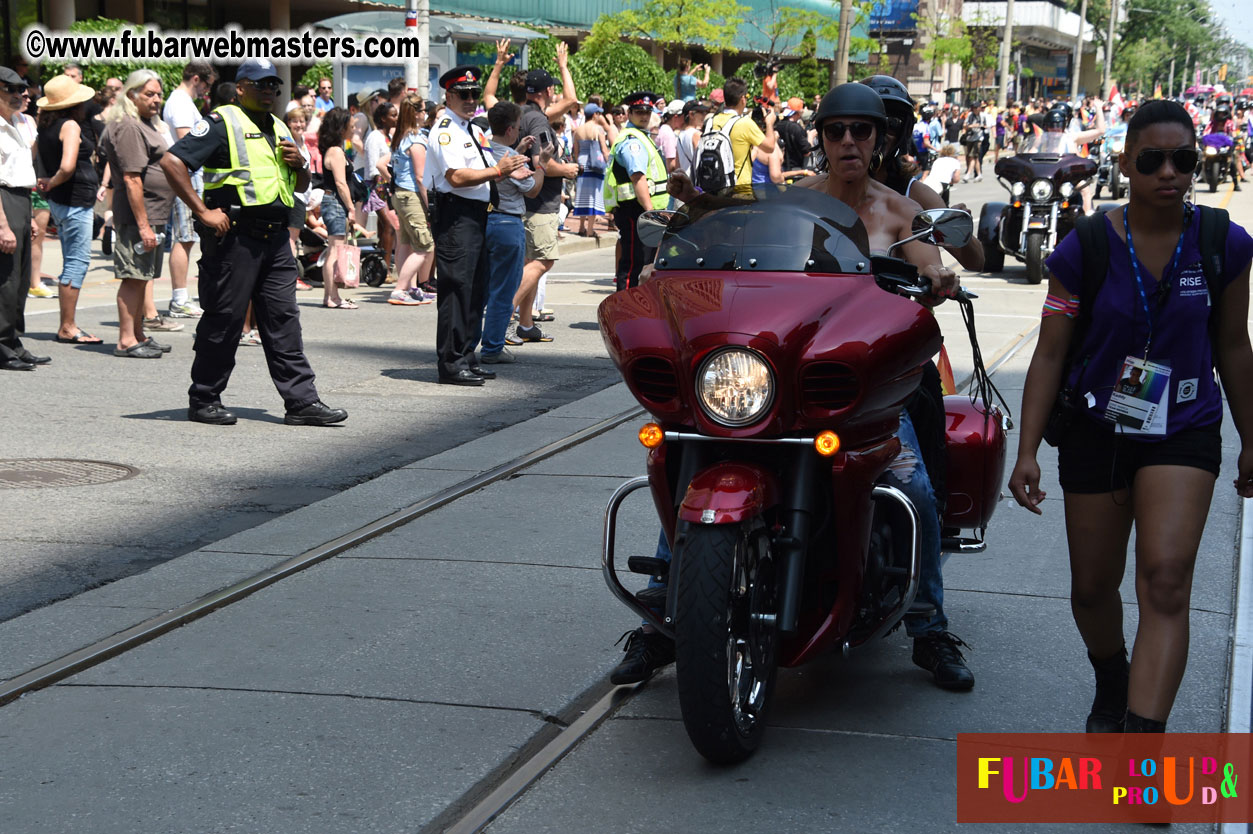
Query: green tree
[[95, 73], [946, 41], [615, 71], [672, 23], [813, 79], [319, 71]]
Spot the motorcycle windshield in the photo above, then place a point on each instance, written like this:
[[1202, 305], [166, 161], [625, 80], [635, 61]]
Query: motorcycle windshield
[[1050, 142], [765, 228]]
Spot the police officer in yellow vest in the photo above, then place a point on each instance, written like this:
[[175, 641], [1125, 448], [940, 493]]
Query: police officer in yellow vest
[[634, 183], [251, 169]]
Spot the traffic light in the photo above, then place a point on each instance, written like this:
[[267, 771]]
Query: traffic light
[[1222, 73]]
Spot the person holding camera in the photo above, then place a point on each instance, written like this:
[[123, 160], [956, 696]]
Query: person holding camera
[[686, 84]]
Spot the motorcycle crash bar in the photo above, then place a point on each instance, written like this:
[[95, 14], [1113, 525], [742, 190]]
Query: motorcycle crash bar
[[827, 443]]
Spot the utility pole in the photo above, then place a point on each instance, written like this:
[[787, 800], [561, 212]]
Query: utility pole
[[1078, 60], [846, 31], [418, 25], [1109, 49], [1007, 36], [1170, 85]]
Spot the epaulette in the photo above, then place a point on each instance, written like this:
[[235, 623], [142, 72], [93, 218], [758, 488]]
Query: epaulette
[[445, 122]]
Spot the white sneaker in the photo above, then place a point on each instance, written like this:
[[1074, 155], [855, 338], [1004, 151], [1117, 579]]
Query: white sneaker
[[187, 310], [505, 357]]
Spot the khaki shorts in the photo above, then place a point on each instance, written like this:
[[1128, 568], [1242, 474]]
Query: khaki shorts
[[541, 236], [414, 231], [129, 264]]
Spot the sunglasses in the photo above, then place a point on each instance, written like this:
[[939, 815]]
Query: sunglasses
[[270, 84], [860, 131], [895, 124], [468, 95], [15, 89], [1184, 160]]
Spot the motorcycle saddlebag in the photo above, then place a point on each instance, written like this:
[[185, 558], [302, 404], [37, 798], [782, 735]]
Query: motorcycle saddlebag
[[976, 462]]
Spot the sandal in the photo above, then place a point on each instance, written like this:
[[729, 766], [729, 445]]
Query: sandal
[[82, 337], [342, 304]]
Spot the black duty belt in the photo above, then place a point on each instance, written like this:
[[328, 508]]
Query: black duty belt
[[16, 190], [479, 205]]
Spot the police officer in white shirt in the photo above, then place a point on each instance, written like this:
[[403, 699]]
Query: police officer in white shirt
[[17, 178], [464, 185]]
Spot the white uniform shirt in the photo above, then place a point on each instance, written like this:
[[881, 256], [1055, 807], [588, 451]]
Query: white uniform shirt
[[17, 165], [453, 145]]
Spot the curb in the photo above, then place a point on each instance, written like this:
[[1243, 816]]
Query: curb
[[1240, 691], [572, 244]]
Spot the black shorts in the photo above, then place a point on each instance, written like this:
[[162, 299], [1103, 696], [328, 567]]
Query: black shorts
[[1094, 459]]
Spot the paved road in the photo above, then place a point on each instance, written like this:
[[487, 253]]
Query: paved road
[[196, 483]]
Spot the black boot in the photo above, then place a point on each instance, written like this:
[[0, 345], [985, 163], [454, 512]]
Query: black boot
[[1138, 724], [1110, 704]]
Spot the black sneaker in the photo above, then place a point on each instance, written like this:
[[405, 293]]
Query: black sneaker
[[646, 652], [938, 653]]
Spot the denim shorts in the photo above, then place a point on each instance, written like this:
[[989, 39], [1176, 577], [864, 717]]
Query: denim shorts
[[1094, 459], [334, 216], [74, 232]]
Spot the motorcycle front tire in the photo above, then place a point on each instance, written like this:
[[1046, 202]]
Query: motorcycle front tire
[[725, 637], [1115, 184], [1035, 257], [1211, 176]]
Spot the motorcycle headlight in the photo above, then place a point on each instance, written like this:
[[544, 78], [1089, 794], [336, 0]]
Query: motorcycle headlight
[[1018, 189], [735, 387], [1067, 189], [1117, 145], [1041, 190], [1211, 151]]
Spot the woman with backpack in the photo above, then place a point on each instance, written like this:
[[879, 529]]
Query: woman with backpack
[[1144, 304]]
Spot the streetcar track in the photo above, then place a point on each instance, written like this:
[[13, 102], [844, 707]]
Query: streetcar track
[[95, 653]]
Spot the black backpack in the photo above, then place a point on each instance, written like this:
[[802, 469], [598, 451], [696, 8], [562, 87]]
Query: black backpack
[[1094, 244]]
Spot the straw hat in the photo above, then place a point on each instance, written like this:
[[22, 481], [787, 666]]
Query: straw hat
[[62, 93]]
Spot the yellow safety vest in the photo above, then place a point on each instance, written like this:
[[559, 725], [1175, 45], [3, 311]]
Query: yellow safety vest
[[256, 171], [620, 192]]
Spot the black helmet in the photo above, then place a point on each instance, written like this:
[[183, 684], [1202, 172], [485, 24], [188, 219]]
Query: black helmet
[[927, 112], [852, 100], [1055, 120], [1129, 111], [1222, 113], [889, 89]]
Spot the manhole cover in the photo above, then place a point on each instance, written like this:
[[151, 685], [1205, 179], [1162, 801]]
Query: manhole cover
[[33, 473]]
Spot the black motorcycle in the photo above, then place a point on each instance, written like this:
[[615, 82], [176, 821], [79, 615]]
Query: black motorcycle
[[1043, 183]]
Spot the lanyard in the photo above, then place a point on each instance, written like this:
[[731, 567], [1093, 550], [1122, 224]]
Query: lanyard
[[1135, 269]]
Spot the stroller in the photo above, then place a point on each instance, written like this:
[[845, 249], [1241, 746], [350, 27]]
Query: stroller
[[311, 254]]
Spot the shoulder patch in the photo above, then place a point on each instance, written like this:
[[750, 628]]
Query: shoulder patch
[[445, 122], [444, 138], [201, 127], [217, 117]]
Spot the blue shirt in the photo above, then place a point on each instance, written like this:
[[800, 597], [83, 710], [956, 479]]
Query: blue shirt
[[685, 87], [322, 106], [632, 155], [402, 163]]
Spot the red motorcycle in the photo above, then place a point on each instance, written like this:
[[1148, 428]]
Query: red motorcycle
[[775, 365]]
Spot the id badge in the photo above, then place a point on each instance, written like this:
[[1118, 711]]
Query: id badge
[[1139, 404]]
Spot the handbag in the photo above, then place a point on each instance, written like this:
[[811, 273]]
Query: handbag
[[348, 266]]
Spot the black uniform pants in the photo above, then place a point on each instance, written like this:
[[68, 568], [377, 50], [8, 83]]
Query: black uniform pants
[[234, 270], [14, 273], [461, 257], [633, 256]]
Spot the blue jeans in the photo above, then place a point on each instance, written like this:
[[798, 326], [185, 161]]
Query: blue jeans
[[74, 231], [506, 244], [908, 474]]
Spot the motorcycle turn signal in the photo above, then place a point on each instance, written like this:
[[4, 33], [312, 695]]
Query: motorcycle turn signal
[[827, 443], [651, 435]]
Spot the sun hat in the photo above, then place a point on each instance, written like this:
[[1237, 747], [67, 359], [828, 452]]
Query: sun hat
[[62, 93]]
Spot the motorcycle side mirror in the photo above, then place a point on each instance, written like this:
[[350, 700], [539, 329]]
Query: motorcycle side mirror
[[651, 225], [942, 227]]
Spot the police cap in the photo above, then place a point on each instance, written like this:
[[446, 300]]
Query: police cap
[[642, 98], [460, 77]]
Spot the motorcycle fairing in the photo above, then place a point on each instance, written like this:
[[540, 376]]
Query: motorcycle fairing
[[728, 493]]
